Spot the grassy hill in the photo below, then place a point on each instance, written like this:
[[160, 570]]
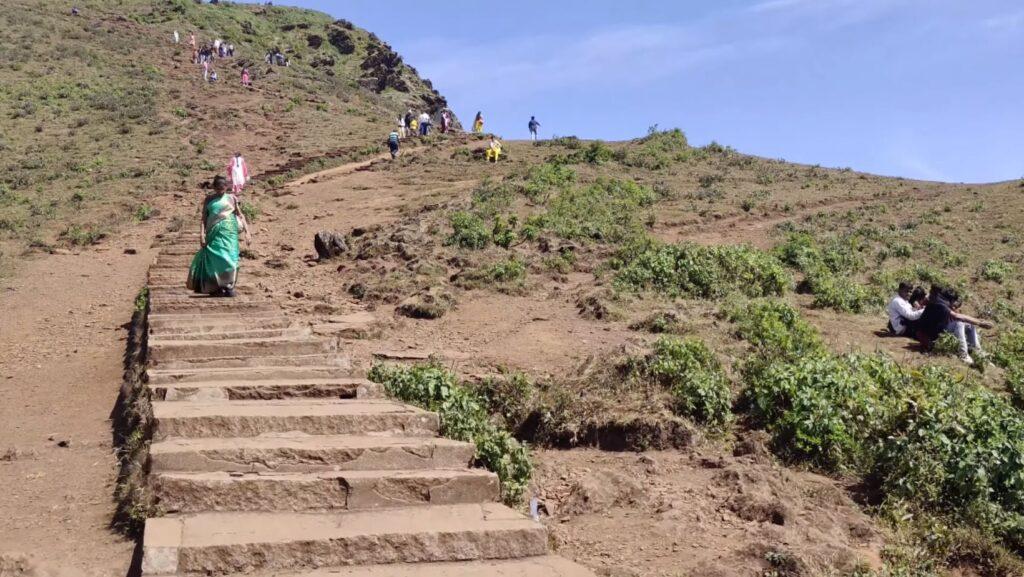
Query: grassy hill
[[653, 295], [105, 118]]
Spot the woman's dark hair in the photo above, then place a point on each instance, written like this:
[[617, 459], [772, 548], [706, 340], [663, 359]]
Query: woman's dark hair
[[220, 183], [917, 296]]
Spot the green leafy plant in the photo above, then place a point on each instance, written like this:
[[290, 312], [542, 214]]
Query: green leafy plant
[[700, 271], [689, 370], [468, 231], [251, 211], [463, 418], [996, 270]]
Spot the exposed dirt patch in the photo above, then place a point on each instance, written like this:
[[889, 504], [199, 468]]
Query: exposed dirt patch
[[699, 513]]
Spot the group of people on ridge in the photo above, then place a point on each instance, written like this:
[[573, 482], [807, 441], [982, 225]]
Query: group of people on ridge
[[925, 316], [411, 124], [206, 54]]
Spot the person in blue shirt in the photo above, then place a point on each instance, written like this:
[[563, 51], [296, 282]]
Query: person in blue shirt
[[534, 125]]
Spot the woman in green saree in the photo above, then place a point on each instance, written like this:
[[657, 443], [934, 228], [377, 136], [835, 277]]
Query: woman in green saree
[[214, 269]]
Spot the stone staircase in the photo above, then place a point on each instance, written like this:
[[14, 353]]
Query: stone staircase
[[269, 457]]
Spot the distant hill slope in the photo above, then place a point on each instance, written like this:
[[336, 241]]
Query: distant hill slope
[[104, 115]]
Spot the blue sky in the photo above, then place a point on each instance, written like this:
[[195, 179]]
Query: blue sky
[[926, 89]]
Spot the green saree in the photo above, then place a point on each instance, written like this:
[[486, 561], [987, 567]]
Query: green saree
[[215, 266]]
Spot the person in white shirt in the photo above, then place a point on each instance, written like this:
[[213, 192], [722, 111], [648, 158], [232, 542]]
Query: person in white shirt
[[424, 123], [903, 314]]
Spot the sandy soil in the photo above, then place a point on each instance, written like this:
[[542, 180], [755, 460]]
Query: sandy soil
[[61, 341]]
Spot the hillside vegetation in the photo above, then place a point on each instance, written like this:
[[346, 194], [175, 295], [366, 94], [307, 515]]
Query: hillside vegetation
[[749, 295], [105, 118]]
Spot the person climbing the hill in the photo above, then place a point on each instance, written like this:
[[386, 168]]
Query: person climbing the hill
[[213, 76], [494, 150], [393, 144], [176, 37], [408, 119], [424, 123], [533, 125], [192, 40], [401, 126], [414, 126], [206, 70], [238, 172], [216, 45], [902, 314], [478, 123], [446, 121], [246, 79], [214, 269], [941, 314]]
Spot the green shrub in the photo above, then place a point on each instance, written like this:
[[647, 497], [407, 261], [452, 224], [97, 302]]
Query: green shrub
[[77, 235], [701, 271], [930, 441], [687, 368], [825, 266], [996, 270], [596, 152], [504, 232], [143, 212], [463, 418], [545, 179], [491, 198], [775, 330], [142, 300], [468, 231], [1009, 349], [250, 210], [611, 211], [510, 270], [823, 409]]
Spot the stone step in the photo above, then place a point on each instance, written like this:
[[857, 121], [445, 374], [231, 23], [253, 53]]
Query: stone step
[[547, 566], [163, 335], [223, 543], [206, 419], [215, 306], [267, 389], [198, 323], [178, 492], [246, 376], [333, 359], [171, 350], [295, 452]]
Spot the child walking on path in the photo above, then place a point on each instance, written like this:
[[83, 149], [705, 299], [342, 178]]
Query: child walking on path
[[238, 172]]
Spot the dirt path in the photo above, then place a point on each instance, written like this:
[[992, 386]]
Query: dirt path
[[61, 342]]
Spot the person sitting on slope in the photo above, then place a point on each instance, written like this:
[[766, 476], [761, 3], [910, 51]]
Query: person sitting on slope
[[494, 150], [902, 314]]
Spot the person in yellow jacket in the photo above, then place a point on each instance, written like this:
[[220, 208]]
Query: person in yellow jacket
[[494, 150], [414, 126], [478, 123]]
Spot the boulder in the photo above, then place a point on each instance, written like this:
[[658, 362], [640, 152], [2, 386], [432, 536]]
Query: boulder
[[329, 245]]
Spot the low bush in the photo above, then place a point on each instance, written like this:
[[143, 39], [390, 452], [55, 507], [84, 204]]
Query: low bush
[[77, 235], [611, 211], [468, 231], [688, 369], [655, 151], [826, 266], [930, 441], [996, 270], [250, 210], [545, 179], [463, 418], [775, 330], [700, 271], [596, 152]]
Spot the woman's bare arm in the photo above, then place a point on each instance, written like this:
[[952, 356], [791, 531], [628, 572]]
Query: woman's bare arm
[[970, 320]]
